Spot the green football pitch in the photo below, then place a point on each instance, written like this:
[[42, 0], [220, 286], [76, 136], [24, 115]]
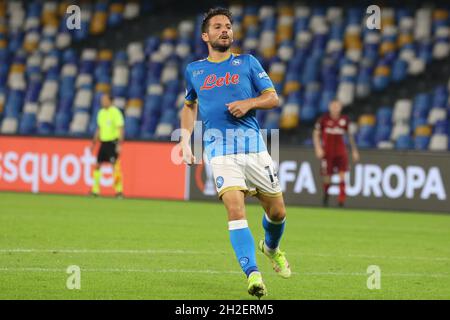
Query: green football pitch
[[148, 249]]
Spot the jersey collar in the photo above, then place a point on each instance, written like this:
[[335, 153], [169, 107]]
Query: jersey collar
[[221, 60]]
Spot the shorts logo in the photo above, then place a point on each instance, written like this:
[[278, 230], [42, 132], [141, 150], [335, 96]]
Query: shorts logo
[[243, 261], [236, 62], [219, 182]]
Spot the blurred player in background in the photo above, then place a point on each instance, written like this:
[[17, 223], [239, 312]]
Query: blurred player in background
[[330, 149], [227, 89], [110, 132]]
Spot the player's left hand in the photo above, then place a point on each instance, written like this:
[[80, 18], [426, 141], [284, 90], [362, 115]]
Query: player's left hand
[[238, 108], [355, 155]]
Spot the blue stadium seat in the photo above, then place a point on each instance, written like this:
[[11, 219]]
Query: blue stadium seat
[[421, 142], [404, 142], [365, 137], [131, 127], [27, 123]]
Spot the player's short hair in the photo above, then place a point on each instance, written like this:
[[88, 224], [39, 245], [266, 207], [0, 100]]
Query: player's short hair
[[335, 100], [215, 12]]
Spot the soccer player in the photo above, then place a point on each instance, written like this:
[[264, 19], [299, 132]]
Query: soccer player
[[227, 89], [110, 132], [329, 146]]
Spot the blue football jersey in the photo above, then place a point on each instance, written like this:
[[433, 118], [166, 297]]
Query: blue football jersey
[[213, 85]]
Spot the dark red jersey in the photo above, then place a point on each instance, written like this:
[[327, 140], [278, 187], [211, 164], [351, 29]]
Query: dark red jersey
[[332, 134]]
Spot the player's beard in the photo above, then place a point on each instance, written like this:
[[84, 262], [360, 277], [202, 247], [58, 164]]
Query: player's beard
[[217, 46]]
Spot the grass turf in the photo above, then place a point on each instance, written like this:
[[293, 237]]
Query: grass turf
[[147, 249]]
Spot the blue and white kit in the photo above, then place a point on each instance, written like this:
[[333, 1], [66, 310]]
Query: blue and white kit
[[234, 146]]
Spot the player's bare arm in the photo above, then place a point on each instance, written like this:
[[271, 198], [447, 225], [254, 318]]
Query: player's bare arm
[[120, 140], [353, 147], [188, 117], [267, 100], [317, 144]]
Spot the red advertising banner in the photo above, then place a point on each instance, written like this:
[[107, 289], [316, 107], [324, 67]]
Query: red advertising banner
[[57, 165]]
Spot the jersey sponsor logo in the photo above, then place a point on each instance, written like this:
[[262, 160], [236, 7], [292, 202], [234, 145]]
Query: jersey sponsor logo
[[212, 81], [263, 75], [335, 131]]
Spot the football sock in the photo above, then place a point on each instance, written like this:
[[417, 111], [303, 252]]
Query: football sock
[[274, 231], [243, 245], [96, 183], [342, 192], [118, 178], [326, 186]]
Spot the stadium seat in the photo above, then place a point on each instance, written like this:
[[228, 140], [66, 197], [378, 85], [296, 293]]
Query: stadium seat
[[385, 145], [421, 142], [404, 142], [439, 142], [399, 129], [313, 53], [402, 110], [9, 125]]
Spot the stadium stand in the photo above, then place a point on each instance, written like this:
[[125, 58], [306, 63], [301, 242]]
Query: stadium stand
[[45, 88], [313, 54]]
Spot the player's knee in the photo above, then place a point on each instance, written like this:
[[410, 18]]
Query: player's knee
[[236, 212], [277, 212]]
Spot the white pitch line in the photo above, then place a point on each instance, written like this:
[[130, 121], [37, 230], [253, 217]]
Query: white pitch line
[[375, 256], [191, 252], [107, 251], [118, 270]]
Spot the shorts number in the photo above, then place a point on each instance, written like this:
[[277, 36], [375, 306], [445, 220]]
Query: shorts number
[[269, 171]]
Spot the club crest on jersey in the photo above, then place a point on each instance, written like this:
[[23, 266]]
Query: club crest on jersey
[[236, 62], [212, 81], [342, 122]]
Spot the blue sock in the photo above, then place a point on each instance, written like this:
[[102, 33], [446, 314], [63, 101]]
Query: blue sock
[[274, 231], [243, 245]]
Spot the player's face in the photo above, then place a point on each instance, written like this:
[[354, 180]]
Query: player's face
[[106, 101], [220, 33], [335, 109]]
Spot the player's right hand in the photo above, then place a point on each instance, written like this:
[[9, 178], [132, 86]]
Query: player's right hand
[[320, 153], [187, 155]]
